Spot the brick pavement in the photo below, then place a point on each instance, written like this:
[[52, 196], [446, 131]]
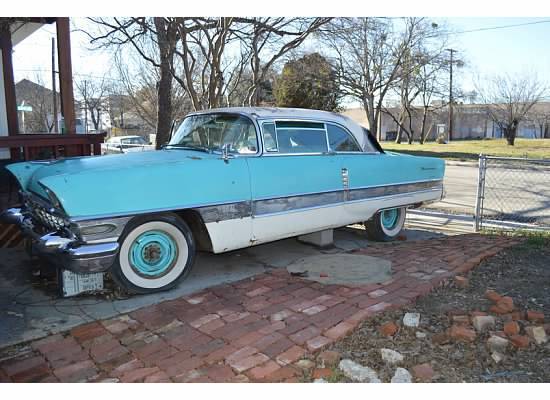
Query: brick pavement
[[252, 330]]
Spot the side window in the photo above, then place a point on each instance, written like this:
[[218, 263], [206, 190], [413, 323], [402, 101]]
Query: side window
[[301, 137], [340, 140], [270, 137]]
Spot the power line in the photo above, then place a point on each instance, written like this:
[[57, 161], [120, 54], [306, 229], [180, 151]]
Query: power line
[[502, 27], [74, 73]]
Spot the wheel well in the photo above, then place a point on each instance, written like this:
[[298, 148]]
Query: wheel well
[[194, 220]]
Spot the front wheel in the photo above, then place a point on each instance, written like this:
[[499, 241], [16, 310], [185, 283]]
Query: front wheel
[[156, 252], [386, 225]]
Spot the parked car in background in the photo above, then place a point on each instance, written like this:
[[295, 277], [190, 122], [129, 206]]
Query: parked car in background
[[228, 179], [125, 144]]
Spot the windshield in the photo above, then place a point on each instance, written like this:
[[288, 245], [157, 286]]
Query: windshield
[[209, 132], [134, 140]]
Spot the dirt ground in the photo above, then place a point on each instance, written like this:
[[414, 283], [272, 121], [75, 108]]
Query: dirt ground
[[522, 273]]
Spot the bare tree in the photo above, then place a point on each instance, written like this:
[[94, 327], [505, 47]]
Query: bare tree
[[540, 115], [93, 92], [138, 89], [370, 56], [509, 99], [154, 39]]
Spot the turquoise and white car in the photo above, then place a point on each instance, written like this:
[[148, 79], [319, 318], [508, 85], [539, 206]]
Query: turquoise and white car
[[228, 179]]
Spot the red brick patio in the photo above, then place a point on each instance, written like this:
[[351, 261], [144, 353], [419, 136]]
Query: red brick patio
[[252, 330]]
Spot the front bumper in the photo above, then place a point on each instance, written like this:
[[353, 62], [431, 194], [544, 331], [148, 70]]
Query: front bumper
[[64, 252]]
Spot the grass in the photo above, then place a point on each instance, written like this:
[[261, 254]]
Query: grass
[[465, 150], [532, 238]]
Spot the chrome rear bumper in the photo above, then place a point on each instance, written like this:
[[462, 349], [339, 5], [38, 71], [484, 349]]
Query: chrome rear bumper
[[64, 252]]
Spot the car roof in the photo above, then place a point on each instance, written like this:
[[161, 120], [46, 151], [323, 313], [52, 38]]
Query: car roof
[[259, 113], [125, 137]]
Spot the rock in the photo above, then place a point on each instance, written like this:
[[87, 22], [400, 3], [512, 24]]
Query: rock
[[401, 376], [461, 281], [520, 341], [483, 323], [497, 344], [537, 333], [321, 373], [506, 304], [388, 329], [423, 372], [497, 357], [497, 310], [411, 320], [357, 372], [461, 319], [305, 364], [391, 356], [329, 358], [420, 335], [493, 296], [535, 316], [461, 333], [320, 380], [511, 328], [440, 338], [517, 315], [477, 313]]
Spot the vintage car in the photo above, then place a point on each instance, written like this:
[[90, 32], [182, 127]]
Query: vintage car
[[125, 144], [228, 179]]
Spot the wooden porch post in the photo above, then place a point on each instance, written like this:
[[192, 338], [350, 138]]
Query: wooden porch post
[[65, 73], [9, 84]]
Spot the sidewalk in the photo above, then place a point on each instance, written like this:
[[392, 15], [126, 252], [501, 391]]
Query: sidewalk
[[252, 330]]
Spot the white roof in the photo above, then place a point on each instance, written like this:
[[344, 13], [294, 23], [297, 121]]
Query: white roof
[[260, 113], [124, 137]]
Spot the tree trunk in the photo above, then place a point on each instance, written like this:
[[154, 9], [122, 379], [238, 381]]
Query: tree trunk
[[511, 132], [164, 85], [423, 126]]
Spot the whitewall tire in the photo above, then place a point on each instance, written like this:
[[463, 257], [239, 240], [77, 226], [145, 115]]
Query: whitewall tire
[[386, 225], [156, 252]]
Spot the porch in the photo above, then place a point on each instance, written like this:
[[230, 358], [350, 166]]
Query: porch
[[62, 141]]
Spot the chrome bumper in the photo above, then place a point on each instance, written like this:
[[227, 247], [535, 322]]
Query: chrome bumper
[[63, 252]]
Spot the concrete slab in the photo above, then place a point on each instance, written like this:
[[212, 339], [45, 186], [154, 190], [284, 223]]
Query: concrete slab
[[342, 269], [31, 308]]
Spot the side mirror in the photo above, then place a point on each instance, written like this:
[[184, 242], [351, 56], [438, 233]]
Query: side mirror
[[226, 149]]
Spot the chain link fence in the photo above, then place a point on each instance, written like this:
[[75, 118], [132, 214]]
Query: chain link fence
[[513, 193]]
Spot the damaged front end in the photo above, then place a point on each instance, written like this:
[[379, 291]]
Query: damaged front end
[[57, 239]]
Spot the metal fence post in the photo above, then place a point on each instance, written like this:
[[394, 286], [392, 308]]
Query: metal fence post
[[478, 216]]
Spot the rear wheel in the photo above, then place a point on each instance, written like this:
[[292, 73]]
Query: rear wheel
[[386, 225], [155, 254]]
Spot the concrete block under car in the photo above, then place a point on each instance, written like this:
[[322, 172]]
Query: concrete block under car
[[320, 239]]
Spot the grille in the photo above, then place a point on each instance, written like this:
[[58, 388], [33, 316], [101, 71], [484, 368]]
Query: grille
[[41, 215]]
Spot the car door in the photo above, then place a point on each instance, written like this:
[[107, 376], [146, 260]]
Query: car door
[[358, 169], [296, 184]]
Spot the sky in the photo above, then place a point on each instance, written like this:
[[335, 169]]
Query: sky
[[512, 50]]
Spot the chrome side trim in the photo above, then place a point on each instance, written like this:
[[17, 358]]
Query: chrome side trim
[[227, 211], [351, 202], [294, 203], [213, 212]]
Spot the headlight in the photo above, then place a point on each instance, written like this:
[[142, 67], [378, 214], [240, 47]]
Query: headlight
[[97, 229], [53, 198]]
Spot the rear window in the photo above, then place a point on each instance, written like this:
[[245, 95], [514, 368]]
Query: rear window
[[295, 137], [340, 140]]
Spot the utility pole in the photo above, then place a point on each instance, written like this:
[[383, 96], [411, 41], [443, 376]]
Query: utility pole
[[85, 106], [452, 51], [55, 122]]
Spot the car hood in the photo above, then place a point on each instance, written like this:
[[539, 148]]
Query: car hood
[[72, 179]]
